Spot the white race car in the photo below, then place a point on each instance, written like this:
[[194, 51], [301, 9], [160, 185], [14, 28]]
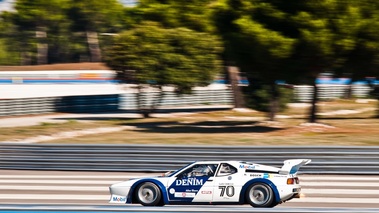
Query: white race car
[[215, 182]]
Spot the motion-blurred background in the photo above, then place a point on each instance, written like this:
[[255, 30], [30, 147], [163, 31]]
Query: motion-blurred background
[[113, 56], [95, 86]]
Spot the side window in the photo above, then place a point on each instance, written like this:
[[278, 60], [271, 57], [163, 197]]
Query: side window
[[226, 169], [199, 170]]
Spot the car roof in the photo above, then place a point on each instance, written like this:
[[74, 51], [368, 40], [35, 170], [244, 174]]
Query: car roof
[[226, 161]]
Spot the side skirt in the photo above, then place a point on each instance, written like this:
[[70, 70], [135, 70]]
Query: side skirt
[[203, 203]]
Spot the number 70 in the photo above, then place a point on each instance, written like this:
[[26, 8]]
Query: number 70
[[228, 190]]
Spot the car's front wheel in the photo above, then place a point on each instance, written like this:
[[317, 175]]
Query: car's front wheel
[[148, 194], [260, 195]]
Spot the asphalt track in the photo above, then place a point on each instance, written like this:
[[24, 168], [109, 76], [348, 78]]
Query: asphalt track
[[62, 188]]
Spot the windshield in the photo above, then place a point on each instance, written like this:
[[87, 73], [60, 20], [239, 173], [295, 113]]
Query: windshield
[[175, 172]]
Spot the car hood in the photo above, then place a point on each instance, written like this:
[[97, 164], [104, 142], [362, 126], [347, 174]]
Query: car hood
[[130, 182]]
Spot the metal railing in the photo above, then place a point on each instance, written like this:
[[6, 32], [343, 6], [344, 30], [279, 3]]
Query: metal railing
[[153, 158], [127, 101], [303, 93], [109, 103]]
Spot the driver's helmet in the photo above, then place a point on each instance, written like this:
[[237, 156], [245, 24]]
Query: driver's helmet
[[225, 169], [200, 171]]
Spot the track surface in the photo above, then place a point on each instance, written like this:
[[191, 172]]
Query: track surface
[[91, 188]]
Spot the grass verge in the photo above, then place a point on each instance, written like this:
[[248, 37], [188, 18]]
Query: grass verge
[[342, 123]]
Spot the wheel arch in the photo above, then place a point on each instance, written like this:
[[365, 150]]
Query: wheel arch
[[259, 180], [132, 199]]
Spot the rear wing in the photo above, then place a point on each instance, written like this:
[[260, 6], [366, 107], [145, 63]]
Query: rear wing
[[292, 166]]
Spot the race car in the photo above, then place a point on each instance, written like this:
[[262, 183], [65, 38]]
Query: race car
[[215, 182]]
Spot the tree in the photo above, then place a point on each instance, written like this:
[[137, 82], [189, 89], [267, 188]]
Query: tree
[[256, 39], [362, 62], [93, 16], [39, 16], [10, 38], [152, 57], [192, 14], [296, 41], [338, 36]]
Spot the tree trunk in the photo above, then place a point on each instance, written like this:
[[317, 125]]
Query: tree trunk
[[233, 73], [143, 107], [156, 101], [93, 46], [42, 47], [274, 101], [375, 94], [141, 102], [26, 58], [313, 110], [348, 92]]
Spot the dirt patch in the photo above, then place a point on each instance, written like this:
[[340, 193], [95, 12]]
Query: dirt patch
[[72, 134]]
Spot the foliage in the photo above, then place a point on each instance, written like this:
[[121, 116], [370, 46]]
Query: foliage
[[192, 14], [296, 41], [94, 15], [159, 57], [9, 43], [261, 97]]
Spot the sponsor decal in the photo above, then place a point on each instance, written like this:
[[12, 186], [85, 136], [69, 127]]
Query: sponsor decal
[[226, 184], [118, 199], [267, 175], [247, 166], [255, 175], [190, 186], [189, 182], [280, 176], [184, 194], [206, 192], [172, 191]]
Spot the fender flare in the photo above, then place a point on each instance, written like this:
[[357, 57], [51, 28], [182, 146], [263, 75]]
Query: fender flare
[[156, 182], [259, 180]]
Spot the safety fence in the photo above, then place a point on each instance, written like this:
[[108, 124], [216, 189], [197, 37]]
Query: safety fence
[[128, 100], [303, 93], [160, 158], [110, 103], [30, 106]]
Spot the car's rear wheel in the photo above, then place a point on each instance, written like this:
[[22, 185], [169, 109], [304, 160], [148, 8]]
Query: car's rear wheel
[[260, 195], [148, 194]]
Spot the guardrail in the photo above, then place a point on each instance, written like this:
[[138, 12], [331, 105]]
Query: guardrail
[[127, 101], [109, 103], [303, 93], [154, 158]]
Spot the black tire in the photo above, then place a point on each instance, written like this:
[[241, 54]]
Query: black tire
[[260, 195], [149, 194]]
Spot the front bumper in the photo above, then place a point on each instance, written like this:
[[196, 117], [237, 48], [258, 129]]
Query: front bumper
[[117, 199]]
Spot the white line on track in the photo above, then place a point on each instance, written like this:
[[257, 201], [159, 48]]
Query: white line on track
[[56, 188], [335, 200], [88, 182], [332, 183], [338, 191], [71, 177], [53, 197], [345, 178]]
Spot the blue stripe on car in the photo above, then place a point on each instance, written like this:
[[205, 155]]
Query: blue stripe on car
[[186, 185], [158, 183]]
